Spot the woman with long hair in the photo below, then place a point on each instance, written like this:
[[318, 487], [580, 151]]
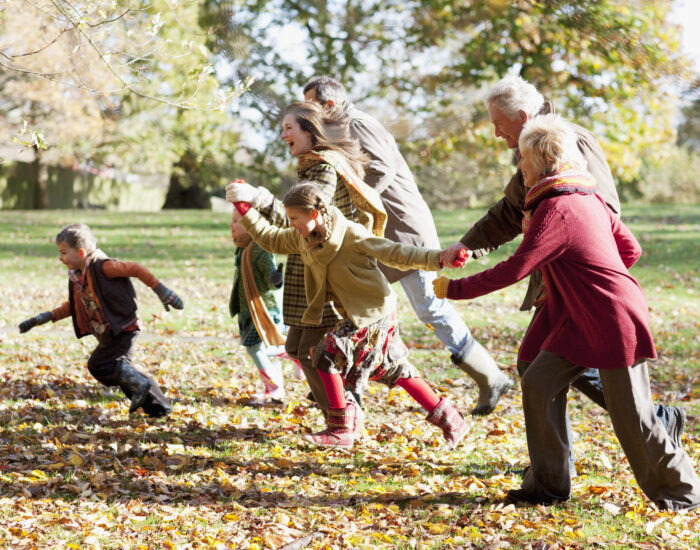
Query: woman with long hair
[[330, 156]]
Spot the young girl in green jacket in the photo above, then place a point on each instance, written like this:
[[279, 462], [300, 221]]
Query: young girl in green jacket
[[253, 300], [340, 264]]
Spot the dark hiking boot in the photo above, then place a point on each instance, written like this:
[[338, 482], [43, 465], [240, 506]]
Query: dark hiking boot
[[676, 423]]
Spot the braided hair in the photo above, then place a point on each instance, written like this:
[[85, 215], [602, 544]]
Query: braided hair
[[308, 196]]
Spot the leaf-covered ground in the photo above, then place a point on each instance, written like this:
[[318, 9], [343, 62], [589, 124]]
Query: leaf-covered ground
[[76, 471]]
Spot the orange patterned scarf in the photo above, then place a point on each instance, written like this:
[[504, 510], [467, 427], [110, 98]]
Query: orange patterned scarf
[[564, 182], [267, 330]]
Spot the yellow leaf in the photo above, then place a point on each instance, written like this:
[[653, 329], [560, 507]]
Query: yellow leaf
[[75, 460], [231, 517], [437, 528], [39, 474]]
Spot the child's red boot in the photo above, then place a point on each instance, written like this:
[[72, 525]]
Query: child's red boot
[[340, 430], [446, 417], [359, 413]]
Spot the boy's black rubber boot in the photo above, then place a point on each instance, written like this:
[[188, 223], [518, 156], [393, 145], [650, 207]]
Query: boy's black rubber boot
[[137, 384]]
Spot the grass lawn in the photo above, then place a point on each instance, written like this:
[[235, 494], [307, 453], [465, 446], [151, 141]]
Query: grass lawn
[[76, 471]]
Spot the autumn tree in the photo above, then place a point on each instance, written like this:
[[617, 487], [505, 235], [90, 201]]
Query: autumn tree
[[126, 83], [689, 128], [426, 64]]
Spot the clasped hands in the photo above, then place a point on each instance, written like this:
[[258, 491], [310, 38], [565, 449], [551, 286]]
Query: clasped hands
[[456, 255], [245, 196]]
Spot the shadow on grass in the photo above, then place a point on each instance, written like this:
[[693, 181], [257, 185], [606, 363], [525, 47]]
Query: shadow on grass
[[123, 460]]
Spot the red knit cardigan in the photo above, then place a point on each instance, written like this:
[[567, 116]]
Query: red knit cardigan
[[595, 314]]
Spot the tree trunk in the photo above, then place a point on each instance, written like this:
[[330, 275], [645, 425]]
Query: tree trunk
[[40, 173], [185, 190]]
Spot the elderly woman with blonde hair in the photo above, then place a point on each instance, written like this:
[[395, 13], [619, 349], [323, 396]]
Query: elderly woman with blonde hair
[[594, 315]]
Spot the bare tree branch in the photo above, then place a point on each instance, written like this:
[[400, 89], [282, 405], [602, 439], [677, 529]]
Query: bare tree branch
[[96, 48], [43, 47]]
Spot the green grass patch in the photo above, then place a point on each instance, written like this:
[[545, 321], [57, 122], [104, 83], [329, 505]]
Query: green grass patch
[[77, 469]]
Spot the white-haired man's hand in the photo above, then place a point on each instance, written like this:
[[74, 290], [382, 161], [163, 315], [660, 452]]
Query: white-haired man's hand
[[452, 253]]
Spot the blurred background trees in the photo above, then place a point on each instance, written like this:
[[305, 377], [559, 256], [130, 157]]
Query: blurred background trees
[[194, 88]]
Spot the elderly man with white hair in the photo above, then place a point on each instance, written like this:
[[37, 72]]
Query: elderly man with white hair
[[511, 103], [594, 315]]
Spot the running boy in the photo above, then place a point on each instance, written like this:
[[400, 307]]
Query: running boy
[[254, 301], [102, 302], [340, 264]]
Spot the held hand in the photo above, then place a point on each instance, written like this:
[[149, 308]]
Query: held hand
[[462, 258], [240, 191], [241, 208], [275, 276], [168, 297], [26, 326], [440, 287], [449, 255]]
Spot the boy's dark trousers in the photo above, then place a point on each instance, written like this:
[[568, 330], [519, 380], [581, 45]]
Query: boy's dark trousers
[[105, 365]]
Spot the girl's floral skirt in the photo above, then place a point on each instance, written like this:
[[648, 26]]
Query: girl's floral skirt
[[375, 352]]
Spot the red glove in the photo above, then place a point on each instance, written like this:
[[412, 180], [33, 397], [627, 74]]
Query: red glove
[[242, 207], [461, 259]]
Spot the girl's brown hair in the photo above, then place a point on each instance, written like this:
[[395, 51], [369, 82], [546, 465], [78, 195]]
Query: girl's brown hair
[[329, 129], [308, 196]]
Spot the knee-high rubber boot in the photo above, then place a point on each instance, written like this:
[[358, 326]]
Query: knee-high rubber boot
[[156, 404], [492, 383], [136, 383]]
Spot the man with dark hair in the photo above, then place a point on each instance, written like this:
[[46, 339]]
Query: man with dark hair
[[410, 222]]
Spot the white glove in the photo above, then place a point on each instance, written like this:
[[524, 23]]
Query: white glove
[[241, 192], [244, 192]]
